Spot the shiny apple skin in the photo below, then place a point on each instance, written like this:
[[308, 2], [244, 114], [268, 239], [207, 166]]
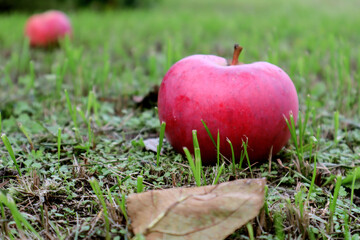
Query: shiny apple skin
[[47, 28], [245, 102]]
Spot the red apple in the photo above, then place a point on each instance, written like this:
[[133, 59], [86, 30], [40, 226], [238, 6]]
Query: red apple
[[47, 28], [244, 102]]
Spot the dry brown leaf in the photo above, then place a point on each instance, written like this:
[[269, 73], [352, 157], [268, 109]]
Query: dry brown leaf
[[209, 212]]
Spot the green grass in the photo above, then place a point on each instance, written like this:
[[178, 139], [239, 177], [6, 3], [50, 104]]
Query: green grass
[[73, 147]]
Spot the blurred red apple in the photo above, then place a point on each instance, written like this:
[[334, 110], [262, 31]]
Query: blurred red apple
[[245, 102], [47, 28]]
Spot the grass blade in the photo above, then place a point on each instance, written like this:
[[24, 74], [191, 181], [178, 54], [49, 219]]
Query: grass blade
[[96, 188], [250, 231], [336, 127], [72, 112], [208, 132], [197, 155], [161, 139], [123, 206], [18, 217], [195, 140], [278, 224], [312, 180], [140, 184], [333, 203], [59, 143], [90, 103], [292, 128], [11, 152], [198, 166], [218, 148], [23, 130], [245, 144], [32, 75], [193, 167], [218, 174], [232, 156], [190, 159]]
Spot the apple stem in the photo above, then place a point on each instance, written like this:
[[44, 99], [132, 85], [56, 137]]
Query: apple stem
[[237, 51]]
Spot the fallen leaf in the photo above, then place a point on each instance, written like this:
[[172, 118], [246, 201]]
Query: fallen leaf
[[151, 144], [149, 100], [209, 212]]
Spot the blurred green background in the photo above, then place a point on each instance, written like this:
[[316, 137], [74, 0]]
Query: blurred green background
[[41, 5], [315, 42]]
